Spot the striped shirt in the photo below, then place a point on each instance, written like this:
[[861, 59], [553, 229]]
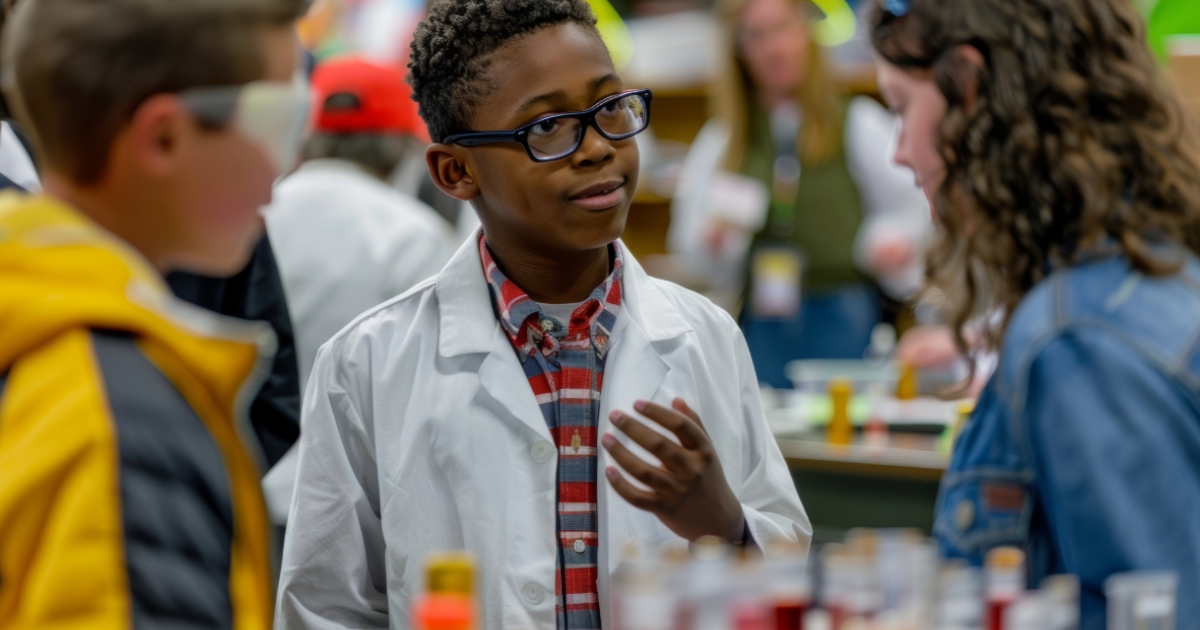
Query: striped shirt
[[565, 368]]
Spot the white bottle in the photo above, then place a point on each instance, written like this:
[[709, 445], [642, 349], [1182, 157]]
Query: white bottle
[[1142, 600]]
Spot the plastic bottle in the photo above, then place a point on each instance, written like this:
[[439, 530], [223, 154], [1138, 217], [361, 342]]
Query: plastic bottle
[[959, 599], [835, 587], [908, 385], [448, 602], [917, 590], [1005, 581], [642, 599], [1026, 612], [1061, 596], [788, 586], [840, 431], [750, 602], [1141, 600], [864, 597], [883, 342], [875, 434], [906, 566], [710, 584]]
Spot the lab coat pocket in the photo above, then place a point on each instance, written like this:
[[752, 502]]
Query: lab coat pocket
[[981, 509]]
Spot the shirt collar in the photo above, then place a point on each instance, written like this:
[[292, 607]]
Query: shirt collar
[[522, 319]]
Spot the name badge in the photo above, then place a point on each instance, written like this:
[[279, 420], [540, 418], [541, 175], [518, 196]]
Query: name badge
[[777, 276]]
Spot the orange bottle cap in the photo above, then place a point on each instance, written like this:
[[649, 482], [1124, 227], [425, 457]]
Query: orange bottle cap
[[1005, 558]]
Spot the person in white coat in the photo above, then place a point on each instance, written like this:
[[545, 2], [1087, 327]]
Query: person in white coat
[[344, 239], [491, 408]]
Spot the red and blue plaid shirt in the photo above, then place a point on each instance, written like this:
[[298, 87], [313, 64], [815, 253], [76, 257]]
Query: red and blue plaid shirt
[[565, 368]]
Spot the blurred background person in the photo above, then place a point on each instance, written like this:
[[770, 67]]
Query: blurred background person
[[256, 293], [18, 166], [789, 201], [130, 496], [345, 239]]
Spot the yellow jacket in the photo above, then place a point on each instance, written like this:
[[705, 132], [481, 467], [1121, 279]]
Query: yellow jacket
[[63, 538]]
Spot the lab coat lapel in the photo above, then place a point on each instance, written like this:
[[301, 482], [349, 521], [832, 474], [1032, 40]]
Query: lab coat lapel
[[468, 326], [635, 370], [503, 379]]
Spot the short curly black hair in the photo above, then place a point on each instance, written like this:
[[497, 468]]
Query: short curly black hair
[[452, 47]]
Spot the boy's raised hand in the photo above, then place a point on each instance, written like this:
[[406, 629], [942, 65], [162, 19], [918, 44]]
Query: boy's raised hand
[[688, 492]]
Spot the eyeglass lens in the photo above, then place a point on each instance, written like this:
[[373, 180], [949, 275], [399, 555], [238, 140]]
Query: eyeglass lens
[[622, 117]]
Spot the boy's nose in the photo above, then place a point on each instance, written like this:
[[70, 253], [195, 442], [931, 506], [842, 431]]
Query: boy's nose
[[595, 148]]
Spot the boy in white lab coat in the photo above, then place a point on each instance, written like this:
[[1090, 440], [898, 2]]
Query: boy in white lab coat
[[469, 412]]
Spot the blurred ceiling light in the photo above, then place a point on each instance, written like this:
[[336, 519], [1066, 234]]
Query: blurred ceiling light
[[838, 25], [614, 33]]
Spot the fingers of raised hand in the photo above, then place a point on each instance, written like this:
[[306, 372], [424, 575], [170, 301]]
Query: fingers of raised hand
[[677, 421], [672, 455], [661, 481], [681, 406], [638, 498]]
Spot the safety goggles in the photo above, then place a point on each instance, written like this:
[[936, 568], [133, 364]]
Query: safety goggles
[[273, 114], [555, 137]]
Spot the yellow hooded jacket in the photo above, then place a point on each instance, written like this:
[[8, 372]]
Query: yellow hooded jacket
[[63, 542]]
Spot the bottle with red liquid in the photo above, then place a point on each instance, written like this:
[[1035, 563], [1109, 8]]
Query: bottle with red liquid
[[1004, 581], [788, 586]]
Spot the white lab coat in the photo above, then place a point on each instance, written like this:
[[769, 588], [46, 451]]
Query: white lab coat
[[421, 433], [346, 242]]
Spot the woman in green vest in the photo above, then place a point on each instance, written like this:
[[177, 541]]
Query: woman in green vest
[[791, 129]]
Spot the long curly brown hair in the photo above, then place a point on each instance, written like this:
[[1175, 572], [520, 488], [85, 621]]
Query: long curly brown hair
[[1072, 140]]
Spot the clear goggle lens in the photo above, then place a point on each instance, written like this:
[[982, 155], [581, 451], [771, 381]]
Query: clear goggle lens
[[272, 114]]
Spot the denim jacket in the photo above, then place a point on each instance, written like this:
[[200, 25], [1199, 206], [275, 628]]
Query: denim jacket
[[1084, 447]]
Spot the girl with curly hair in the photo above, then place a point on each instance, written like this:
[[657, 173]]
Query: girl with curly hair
[[1065, 177]]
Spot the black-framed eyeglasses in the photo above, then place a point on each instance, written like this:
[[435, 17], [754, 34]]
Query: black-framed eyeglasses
[[557, 136]]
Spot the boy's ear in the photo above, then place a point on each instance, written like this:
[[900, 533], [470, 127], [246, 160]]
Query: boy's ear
[[154, 133], [449, 172]]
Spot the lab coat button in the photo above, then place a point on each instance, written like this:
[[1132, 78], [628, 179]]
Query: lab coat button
[[541, 451], [533, 594]]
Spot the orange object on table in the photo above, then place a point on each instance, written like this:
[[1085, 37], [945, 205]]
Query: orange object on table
[[840, 430], [907, 386]]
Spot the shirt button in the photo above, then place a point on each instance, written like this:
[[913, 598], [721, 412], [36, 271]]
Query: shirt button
[[964, 515], [533, 594], [580, 546], [541, 451]]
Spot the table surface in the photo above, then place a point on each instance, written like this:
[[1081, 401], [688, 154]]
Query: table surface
[[907, 456]]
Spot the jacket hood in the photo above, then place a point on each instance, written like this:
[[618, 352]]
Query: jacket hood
[[60, 271]]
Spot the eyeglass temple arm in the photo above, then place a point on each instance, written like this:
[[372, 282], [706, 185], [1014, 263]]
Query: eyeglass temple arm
[[475, 139]]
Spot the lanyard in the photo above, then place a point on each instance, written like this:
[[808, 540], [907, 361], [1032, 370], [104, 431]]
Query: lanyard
[[785, 123]]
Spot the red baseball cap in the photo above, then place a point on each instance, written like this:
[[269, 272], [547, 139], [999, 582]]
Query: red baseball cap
[[353, 95]]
